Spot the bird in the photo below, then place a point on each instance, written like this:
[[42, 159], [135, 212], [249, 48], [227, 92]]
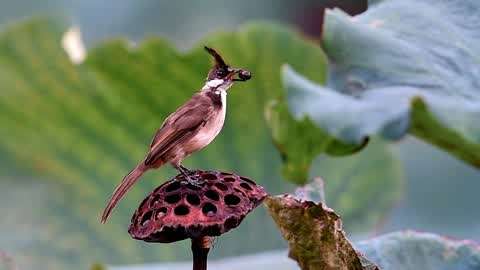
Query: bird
[[193, 126]]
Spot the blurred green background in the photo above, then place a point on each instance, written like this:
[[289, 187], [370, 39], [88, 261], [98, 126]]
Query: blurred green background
[[439, 194]]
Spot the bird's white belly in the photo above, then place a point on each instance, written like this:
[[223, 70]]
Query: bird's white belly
[[211, 129], [209, 132]]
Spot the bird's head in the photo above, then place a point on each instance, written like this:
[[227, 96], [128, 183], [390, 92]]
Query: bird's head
[[222, 75]]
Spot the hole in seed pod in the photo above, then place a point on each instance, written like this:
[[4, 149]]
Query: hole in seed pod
[[146, 218], [231, 199], [161, 212], [209, 176], [212, 195], [229, 179], [193, 199], [155, 200], [174, 198], [221, 186], [209, 209], [192, 187], [247, 180], [237, 190], [230, 223], [173, 186], [181, 210], [225, 173], [246, 186]]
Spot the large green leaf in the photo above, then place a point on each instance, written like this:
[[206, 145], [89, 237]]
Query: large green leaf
[[300, 142], [402, 66], [83, 127]]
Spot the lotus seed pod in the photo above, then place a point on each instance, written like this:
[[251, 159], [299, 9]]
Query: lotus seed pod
[[178, 210]]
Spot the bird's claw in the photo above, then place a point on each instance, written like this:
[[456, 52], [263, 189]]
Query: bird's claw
[[194, 182], [186, 172], [190, 177]]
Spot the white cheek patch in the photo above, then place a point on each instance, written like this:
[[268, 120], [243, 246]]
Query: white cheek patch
[[214, 83]]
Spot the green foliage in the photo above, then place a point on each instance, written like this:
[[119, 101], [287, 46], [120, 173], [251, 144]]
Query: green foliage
[[83, 127], [98, 266], [363, 187], [299, 142], [403, 66]]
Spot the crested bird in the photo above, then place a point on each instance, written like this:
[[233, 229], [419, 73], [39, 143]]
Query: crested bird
[[190, 128]]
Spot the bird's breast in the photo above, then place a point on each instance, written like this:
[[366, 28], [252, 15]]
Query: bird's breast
[[212, 126]]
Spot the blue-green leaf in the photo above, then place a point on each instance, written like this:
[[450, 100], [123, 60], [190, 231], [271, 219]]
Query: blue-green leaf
[[415, 250], [402, 67]]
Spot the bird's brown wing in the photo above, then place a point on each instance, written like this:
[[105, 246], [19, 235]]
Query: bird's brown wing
[[179, 127]]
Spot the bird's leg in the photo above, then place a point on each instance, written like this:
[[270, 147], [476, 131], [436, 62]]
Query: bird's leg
[[184, 170], [188, 174]]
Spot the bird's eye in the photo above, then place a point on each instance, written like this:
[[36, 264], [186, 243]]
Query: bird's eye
[[221, 73]]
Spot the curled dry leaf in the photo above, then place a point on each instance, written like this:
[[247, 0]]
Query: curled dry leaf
[[315, 235]]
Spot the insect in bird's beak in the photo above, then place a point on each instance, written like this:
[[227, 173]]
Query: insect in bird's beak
[[243, 75]]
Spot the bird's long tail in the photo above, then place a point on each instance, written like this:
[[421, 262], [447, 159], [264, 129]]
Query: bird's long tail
[[127, 182]]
